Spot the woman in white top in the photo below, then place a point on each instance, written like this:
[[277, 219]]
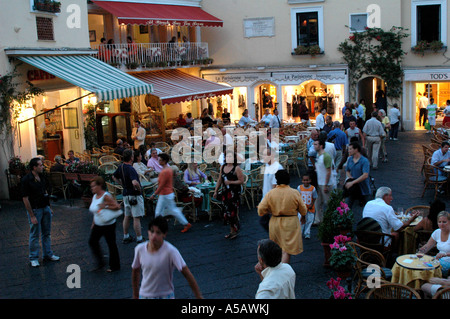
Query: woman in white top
[[441, 239], [140, 167], [102, 200]]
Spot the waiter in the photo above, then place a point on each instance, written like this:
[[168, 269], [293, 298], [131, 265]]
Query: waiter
[[138, 135], [275, 121]]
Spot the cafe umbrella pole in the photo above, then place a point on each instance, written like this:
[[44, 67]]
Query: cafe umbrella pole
[[55, 108]]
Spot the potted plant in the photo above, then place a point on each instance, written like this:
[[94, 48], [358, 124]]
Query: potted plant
[[56, 6], [327, 228], [87, 171], [343, 219], [337, 291], [343, 256], [16, 166], [436, 46], [314, 50], [301, 50]]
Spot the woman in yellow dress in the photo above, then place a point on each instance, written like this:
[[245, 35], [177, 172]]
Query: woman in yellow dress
[[284, 203]]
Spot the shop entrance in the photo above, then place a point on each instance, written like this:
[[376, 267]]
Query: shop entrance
[[439, 91], [266, 98], [373, 91]]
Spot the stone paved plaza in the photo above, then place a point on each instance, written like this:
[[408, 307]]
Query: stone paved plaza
[[223, 269]]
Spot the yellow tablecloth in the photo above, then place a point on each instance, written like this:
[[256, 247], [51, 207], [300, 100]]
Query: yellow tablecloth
[[412, 277]]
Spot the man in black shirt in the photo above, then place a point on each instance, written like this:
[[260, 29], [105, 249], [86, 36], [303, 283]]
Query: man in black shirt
[[133, 200], [36, 199]]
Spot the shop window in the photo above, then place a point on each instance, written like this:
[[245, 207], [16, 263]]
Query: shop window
[[428, 21], [44, 27], [307, 27]]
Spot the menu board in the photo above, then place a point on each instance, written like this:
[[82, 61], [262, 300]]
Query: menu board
[[259, 27]]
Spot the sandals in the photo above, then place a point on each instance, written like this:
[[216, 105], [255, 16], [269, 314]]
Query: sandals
[[231, 236]]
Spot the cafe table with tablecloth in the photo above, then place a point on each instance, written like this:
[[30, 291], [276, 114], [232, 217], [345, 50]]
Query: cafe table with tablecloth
[[408, 238], [206, 188], [412, 271]]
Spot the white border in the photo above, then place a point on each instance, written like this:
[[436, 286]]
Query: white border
[[414, 5], [294, 11]]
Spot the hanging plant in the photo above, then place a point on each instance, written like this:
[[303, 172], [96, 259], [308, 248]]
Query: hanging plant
[[375, 52]]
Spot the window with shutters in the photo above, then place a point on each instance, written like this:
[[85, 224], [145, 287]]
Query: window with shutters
[[44, 27]]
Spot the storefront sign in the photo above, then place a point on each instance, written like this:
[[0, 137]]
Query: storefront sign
[[287, 77], [259, 27], [176, 23], [427, 76], [38, 75]]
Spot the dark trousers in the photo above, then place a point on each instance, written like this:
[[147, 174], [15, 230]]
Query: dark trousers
[[109, 232], [394, 130], [423, 113]]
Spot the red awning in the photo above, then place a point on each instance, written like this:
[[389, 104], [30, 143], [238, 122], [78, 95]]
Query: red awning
[[159, 14], [173, 86]]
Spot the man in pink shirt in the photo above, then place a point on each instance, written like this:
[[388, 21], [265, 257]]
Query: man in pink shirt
[[166, 197], [157, 259]]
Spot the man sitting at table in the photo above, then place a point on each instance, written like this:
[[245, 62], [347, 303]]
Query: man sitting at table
[[246, 119], [153, 161], [381, 210], [441, 157], [265, 119]]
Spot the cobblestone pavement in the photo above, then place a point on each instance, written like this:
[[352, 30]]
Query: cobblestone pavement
[[223, 269]]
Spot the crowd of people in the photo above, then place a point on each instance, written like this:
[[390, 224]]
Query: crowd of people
[[340, 154]]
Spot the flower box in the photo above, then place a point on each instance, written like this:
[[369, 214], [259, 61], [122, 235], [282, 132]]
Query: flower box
[[47, 6], [86, 177]]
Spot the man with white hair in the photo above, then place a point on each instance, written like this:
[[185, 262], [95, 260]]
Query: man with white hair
[[381, 210]]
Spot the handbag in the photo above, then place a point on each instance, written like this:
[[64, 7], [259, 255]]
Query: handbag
[[427, 126], [105, 215]]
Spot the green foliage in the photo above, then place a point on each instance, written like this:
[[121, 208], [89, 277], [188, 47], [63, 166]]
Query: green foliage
[[376, 52], [9, 94], [327, 228], [90, 127]]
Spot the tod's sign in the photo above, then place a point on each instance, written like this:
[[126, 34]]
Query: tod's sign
[[427, 76]]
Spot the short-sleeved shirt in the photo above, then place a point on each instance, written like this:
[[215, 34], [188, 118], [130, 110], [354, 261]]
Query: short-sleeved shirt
[[126, 173], [384, 215], [357, 169], [308, 194], [442, 246], [339, 138], [35, 190], [432, 108], [157, 269], [323, 163]]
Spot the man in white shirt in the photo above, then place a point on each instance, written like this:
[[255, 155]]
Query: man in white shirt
[[275, 121], [441, 157], [423, 103], [266, 117], [245, 119], [381, 210], [138, 135], [394, 119], [320, 119], [373, 132], [277, 278]]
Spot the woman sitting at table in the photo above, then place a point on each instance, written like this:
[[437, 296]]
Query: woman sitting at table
[[184, 192], [192, 175], [434, 285], [153, 161], [441, 239], [429, 222], [140, 167]]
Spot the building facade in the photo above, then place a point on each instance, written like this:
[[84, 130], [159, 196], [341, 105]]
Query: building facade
[[264, 48]]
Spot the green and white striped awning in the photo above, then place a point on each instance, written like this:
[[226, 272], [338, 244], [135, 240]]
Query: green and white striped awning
[[91, 74]]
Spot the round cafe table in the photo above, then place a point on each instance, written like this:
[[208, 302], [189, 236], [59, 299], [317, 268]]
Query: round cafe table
[[206, 188], [414, 272]]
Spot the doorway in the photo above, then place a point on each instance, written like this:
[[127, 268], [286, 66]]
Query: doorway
[[373, 91], [267, 98]]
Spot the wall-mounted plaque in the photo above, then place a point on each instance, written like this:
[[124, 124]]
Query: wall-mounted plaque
[[259, 27]]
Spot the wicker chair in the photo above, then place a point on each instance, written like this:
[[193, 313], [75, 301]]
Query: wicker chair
[[108, 159], [442, 294], [58, 182], [432, 178], [393, 291], [365, 258], [116, 191]]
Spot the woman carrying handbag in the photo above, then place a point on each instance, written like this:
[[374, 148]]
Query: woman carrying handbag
[[105, 210]]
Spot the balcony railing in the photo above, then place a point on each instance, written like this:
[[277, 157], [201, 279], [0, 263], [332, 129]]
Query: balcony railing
[[153, 55]]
